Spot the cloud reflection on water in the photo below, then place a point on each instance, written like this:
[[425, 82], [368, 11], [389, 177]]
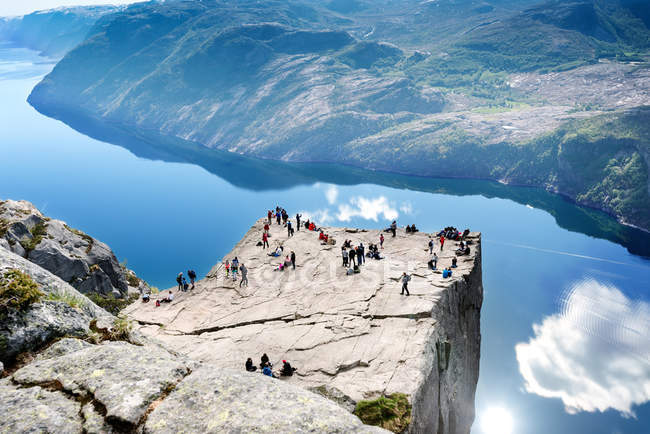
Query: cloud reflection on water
[[594, 355]]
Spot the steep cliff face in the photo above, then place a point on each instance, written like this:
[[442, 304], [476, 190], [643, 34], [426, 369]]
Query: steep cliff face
[[353, 336]]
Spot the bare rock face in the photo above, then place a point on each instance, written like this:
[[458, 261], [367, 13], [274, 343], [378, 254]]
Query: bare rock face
[[63, 311], [352, 333], [121, 387], [79, 259]]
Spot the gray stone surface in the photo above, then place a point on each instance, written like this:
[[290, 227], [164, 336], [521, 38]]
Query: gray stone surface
[[31, 328], [63, 346], [36, 410], [124, 378], [353, 333], [222, 401], [94, 422], [65, 252]]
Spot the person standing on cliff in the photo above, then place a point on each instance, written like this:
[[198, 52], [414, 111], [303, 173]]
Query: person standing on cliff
[[298, 221], [179, 280], [352, 254], [405, 283], [442, 242], [344, 253], [269, 216], [381, 240], [192, 275], [361, 256], [265, 240], [289, 229], [244, 275], [293, 259], [393, 228], [430, 246]]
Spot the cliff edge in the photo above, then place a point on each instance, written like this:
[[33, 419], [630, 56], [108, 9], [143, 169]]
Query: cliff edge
[[350, 336]]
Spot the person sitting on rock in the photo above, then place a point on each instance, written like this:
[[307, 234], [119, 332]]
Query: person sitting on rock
[[454, 262], [169, 298], [249, 365], [287, 370], [287, 262], [145, 297], [267, 371], [264, 361]]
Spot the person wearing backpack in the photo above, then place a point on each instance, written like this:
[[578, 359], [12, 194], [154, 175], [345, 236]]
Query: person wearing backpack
[[179, 280], [430, 246], [405, 283], [192, 275]]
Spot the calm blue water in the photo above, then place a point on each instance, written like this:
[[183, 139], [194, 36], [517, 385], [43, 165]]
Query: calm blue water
[[566, 316]]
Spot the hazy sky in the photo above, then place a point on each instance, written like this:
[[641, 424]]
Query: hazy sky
[[21, 7]]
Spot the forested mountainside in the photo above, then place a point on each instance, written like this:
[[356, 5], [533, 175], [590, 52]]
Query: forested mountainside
[[550, 94]]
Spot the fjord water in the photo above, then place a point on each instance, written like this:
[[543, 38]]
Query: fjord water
[[566, 315]]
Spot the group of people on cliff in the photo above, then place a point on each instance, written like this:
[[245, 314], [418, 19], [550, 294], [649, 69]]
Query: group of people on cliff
[[266, 367]]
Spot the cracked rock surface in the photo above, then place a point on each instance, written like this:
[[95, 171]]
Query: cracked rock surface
[[352, 333]]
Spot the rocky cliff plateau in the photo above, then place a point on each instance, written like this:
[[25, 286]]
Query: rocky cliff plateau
[[353, 337], [67, 366]]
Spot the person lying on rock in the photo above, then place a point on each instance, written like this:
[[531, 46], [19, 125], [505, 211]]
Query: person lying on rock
[[249, 365], [287, 370]]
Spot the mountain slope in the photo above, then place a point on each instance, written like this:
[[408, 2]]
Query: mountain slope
[[302, 81]]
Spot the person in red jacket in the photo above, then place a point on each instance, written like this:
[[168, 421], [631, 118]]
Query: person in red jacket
[[442, 241], [265, 240]]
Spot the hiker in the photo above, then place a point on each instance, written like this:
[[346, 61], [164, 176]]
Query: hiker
[[454, 262], [289, 229], [393, 228], [293, 259], [344, 253], [298, 221], [265, 361], [361, 254], [269, 216], [266, 227], [431, 245], [287, 370], [381, 240], [434, 262], [465, 233], [234, 267], [278, 216], [405, 283], [265, 240], [227, 268], [249, 365], [192, 276], [312, 226], [185, 285], [442, 241], [244, 275], [352, 255], [179, 280]]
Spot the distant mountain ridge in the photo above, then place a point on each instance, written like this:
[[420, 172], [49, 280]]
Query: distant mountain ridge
[[441, 88], [52, 32]]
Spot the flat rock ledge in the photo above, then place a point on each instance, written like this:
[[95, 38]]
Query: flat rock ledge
[[353, 334]]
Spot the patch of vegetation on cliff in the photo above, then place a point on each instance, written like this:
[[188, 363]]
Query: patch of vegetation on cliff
[[4, 227], [111, 304], [18, 290], [38, 232], [90, 240], [392, 412], [67, 298]]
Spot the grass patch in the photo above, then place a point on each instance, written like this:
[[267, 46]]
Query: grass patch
[[93, 268], [18, 290], [132, 279], [391, 412], [90, 240], [120, 330], [4, 227], [112, 304], [67, 298], [38, 232]]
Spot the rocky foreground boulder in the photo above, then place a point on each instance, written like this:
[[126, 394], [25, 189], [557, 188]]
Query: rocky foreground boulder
[[79, 259], [75, 387], [59, 310], [353, 338]]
